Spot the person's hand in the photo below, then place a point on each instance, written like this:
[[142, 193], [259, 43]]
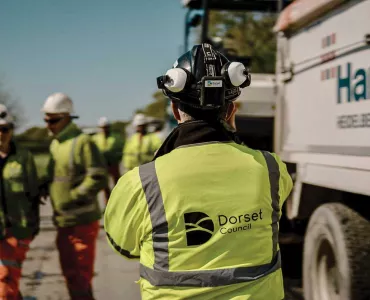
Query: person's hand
[[43, 199], [43, 194]]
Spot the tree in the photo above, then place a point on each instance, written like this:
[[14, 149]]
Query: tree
[[120, 127], [12, 105], [248, 34], [35, 139], [157, 109]]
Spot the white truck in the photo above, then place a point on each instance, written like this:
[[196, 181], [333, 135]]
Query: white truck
[[322, 132]]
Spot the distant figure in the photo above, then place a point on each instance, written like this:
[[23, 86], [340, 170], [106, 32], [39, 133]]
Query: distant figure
[[76, 173], [110, 145], [156, 127], [19, 207], [141, 146]]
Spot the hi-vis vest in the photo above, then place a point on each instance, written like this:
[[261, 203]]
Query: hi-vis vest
[[19, 202], [138, 152], [110, 146], [78, 172], [203, 220]]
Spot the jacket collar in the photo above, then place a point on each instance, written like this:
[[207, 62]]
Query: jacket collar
[[68, 132], [195, 132]]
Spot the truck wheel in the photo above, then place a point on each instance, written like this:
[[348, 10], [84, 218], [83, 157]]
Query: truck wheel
[[336, 264]]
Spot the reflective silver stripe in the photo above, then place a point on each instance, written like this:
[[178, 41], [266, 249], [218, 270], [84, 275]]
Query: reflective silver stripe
[[10, 263], [62, 179], [71, 157], [82, 190], [131, 154], [93, 171], [68, 178], [209, 278], [274, 176], [149, 181], [78, 211]]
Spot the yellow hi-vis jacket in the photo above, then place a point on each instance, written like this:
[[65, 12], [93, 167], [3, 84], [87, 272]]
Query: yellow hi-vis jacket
[[110, 146], [19, 195], [137, 152], [203, 220], [77, 172]]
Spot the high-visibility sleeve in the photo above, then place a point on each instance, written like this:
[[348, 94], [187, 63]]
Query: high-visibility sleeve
[[96, 175], [125, 215], [129, 154], [156, 142], [46, 176], [285, 181], [111, 147]]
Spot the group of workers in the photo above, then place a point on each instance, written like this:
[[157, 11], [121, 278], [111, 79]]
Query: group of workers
[[78, 169], [200, 210], [137, 150]]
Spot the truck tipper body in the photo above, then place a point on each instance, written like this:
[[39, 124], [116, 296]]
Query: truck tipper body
[[322, 132]]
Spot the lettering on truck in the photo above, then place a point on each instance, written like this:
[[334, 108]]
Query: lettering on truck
[[356, 84], [353, 86]]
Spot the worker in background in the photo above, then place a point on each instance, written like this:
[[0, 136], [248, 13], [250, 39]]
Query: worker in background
[[77, 172], [206, 210], [110, 145], [19, 207], [141, 146], [156, 127]]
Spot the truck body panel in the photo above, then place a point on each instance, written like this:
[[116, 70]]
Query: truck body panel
[[323, 115]]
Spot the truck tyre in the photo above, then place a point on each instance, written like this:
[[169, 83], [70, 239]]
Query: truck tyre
[[336, 264]]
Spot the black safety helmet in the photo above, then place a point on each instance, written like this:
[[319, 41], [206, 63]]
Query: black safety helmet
[[204, 79]]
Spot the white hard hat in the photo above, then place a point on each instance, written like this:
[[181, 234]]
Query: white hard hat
[[139, 119], [58, 103], [150, 119], [103, 122], [5, 117]]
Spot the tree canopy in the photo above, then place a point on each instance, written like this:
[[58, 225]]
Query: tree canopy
[[247, 34]]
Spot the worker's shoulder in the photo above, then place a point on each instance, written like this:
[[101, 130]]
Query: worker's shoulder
[[131, 179], [245, 149], [258, 153], [95, 136], [133, 136], [154, 135], [84, 138], [116, 135]]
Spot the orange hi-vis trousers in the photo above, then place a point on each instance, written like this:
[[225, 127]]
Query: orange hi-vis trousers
[[77, 247], [12, 254]]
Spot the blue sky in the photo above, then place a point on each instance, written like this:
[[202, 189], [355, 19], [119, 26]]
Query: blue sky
[[105, 54]]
